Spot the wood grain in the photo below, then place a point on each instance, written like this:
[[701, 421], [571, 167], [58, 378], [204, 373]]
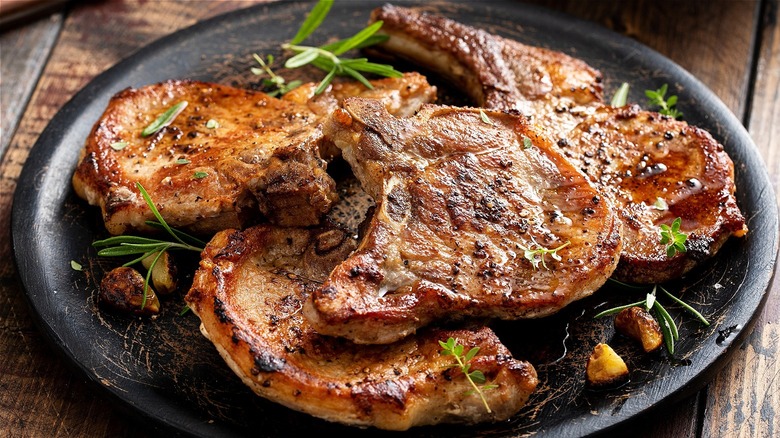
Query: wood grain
[[23, 55], [41, 396], [737, 406]]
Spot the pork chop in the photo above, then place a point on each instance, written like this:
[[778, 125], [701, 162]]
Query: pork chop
[[470, 208], [248, 293], [230, 158], [564, 95]]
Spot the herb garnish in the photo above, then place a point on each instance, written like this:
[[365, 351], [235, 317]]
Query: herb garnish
[[527, 144], [281, 86], [133, 245], [476, 378], [665, 320], [76, 266], [536, 255], [658, 98], [673, 238], [165, 119], [621, 95], [660, 204], [485, 118], [212, 124], [182, 161], [199, 175], [327, 57], [118, 145]]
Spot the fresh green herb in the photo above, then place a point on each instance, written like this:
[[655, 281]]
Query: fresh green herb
[[199, 175], [165, 119], [621, 95], [212, 124], [673, 238], [485, 118], [535, 253], [76, 266], [660, 204], [279, 84], [119, 246], [182, 161], [476, 378], [184, 310], [327, 57], [668, 326], [667, 105], [118, 145], [527, 144]]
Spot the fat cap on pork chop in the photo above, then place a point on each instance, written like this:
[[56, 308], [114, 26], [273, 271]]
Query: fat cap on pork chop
[[248, 293], [262, 158], [636, 157], [459, 201]]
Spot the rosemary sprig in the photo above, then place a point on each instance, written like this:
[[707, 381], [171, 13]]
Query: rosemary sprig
[[279, 83], [667, 105], [125, 245], [475, 377], [327, 57], [673, 238], [668, 326], [535, 253], [620, 98], [164, 119]]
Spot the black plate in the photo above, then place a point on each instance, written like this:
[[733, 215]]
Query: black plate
[[166, 371]]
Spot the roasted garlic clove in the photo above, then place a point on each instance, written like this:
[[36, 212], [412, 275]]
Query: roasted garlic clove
[[163, 273], [123, 289], [639, 324], [605, 367]]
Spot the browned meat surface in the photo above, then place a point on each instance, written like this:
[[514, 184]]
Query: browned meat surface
[[248, 293], [459, 199], [658, 169], [554, 88], [563, 95], [262, 158]]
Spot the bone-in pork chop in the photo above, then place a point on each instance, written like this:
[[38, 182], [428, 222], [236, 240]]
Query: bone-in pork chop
[[229, 157], [470, 208], [248, 293], [636, 157]]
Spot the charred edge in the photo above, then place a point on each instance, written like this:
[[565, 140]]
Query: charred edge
[[221, 312], [265, 362], [235, 247]]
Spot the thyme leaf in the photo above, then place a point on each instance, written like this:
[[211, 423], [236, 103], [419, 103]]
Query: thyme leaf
[[673, 238], [665, 104], [462, 361]]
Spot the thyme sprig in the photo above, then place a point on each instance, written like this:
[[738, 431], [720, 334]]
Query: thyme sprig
[[280, 85], [327, 57], [673, 238], [535, 253], [476, 378], [666, 104], [668, 326], [125, 245]]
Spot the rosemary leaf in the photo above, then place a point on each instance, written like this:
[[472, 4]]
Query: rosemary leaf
[[313, 20], [621, 95], [687, 307], [165, 119]]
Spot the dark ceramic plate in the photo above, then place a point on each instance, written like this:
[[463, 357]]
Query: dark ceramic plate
[[167, 372]]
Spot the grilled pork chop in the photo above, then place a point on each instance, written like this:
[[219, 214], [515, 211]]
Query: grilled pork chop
[[260, 155], [470, 206], [248, 293], [636, 157]]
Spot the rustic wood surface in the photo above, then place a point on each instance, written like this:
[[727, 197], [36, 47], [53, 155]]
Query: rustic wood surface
[[733, 46]]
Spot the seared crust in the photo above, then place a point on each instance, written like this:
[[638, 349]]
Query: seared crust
[[658, 169], [458, 200], [564, 96], [553, 88], [248, 292], [262, 161]]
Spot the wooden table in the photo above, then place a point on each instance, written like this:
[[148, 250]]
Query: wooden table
[[733, 46]]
